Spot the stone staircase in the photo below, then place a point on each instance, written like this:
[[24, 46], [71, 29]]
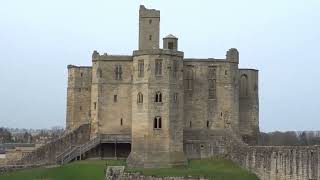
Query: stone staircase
[[74, 152], [47, 154]]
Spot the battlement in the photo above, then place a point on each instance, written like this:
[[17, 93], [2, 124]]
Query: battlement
[[158, 52], [204, 60], [248, 69], [106, 57], [71, 66], [147, 13]]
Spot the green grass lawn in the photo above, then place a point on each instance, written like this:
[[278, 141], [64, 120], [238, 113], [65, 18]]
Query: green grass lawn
[[94, 170]]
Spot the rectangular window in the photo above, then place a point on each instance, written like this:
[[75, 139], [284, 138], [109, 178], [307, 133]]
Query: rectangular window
[[212, 72], [175, 69], [170, 45], [140, 68], [212, 82], [118, 72], [212, 88], [175, 97], [158, 67], [188, 80], [115, 98]]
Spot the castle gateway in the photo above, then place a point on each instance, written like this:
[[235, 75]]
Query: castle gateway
[[157, 108]]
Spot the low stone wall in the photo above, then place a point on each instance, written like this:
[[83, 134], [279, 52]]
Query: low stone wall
[[139, 176], [118, 173], [10, 168], [47, 154], [267, 162]]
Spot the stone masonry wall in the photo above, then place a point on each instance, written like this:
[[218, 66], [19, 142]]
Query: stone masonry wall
[[111, 95]]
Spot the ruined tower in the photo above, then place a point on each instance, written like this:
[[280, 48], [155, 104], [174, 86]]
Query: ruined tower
[[157, 99], [78, 96], [249, 105]]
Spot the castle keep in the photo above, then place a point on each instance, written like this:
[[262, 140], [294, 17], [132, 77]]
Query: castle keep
[[156, 97], [157, 108]]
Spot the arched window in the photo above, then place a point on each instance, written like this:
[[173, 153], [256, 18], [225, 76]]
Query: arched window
[[244, 85], [157, 124], [140, 98], [121, 122], [208, 124], [158, 97]]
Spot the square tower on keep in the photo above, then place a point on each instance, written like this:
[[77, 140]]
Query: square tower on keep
[[149, 28]]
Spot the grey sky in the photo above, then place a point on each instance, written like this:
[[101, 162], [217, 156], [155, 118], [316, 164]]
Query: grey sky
[[38, 39]]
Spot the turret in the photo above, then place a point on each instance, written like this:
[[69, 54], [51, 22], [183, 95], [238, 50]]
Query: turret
[[233, 55], [170, 42]]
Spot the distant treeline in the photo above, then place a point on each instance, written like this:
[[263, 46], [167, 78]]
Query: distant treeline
[[289, 138]]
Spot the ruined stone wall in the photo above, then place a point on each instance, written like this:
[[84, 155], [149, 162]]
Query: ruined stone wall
[[78, 96], [267, 162], [280, 162], [200, 143], [249, 105], [111, 95], [139, 176], [47, 153], [118, 173]]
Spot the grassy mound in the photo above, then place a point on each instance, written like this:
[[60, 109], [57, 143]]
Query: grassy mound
[[94, 170]]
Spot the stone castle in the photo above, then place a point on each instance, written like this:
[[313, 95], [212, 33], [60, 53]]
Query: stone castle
[[156, 108], [156, 93]]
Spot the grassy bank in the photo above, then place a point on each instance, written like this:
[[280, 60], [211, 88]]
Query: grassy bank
[[94, 170]]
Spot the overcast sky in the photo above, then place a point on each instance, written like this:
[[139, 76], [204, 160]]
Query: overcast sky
[[39, 38]]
